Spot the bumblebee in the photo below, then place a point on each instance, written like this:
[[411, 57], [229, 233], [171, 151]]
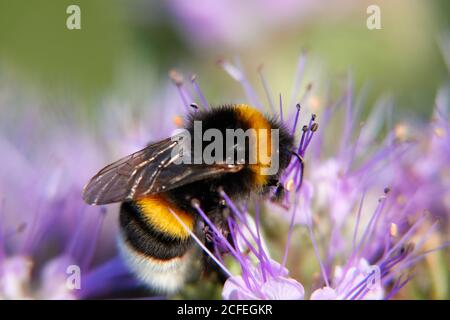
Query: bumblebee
[[152, 188]]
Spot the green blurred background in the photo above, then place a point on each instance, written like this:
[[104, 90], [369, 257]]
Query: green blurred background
[[127, 47]]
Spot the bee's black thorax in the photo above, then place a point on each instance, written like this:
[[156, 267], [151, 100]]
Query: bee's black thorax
[[237, 185]]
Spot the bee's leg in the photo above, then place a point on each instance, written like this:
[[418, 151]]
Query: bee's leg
[[219, 218], [279, 193], [273, 182]]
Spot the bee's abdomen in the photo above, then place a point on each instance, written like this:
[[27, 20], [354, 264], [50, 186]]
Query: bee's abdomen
[[155, 246], [147, 238]]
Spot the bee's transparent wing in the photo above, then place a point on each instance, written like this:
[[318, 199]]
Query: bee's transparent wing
[[151, 170]]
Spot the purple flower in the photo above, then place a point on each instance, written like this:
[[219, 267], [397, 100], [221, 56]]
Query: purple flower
[[47, 231], [364, 244], [260, 277], [53, 245], [340, 188], [422, 177], [278, 287]]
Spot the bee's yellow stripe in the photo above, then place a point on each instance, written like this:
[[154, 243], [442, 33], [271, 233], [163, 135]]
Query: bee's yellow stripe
[[255, 119], [155, 210]]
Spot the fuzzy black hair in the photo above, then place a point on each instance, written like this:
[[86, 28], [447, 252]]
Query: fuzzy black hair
[[237, 185]]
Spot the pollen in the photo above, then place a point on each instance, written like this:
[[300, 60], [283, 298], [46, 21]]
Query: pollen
[[178, 121], [401, 199], [393, 231], [176, 77], [314, 102], [439, 132], [401, 131], [289, 185]]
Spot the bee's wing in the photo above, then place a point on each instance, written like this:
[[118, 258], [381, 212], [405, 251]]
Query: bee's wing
[[148, 171]]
